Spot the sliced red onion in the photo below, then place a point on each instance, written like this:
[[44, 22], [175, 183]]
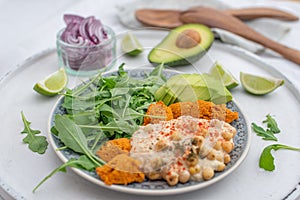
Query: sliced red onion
[[69, 18], [80, 29], [96, 31], [88, 33]]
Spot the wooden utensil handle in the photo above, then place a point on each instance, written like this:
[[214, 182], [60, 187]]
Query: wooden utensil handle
[[259, 12], [217, 19]]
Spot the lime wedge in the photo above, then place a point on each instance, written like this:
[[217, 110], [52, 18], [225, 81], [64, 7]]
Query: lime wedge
[[52, 84], [259, 85], [131, 45], [221, 73]]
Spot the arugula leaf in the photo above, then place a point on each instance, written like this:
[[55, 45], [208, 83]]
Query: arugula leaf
[[265, 134], [77, 104], [121, 70], [266, 160], [272, 124], [83, 162], [158, 72], [84, 117], [72, 136], [35, 143], [109, 82]]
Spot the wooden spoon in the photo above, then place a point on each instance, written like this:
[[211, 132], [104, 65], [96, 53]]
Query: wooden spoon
[[258, 12], [170, 18], [217, 19]]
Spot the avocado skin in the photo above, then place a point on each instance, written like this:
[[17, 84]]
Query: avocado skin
[[183, 61], [193, 54]]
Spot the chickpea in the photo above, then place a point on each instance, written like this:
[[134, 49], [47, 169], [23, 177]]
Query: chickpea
[[198, 141], [154, 175], [172, 178], [207, 173], [184, 176], [195, 169], [218, 145], [164, 172], [226, 158], [211, 155], [203, 132], [227, 146], [160, 145], [192, 170], [220, 167], [219, 157], [156, 163], [204, 151], [195, 150], [192, 159], [227, 135], [234, 132], [176, 136]]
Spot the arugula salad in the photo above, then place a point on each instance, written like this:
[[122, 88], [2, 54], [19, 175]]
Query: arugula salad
[[102, 109], [114, 105]]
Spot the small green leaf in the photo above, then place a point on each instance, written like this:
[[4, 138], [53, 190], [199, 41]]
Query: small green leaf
[[109, 83], [83, 162], [54, 131], [158, 71], [265, 134], [121, 70], [272, 124], [70, 134], [35, 143], [266, 160]]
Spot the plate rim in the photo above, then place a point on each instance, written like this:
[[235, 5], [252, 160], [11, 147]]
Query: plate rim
[[152, 192]]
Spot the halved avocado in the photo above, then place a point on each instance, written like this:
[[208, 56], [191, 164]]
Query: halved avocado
[[183, 45]]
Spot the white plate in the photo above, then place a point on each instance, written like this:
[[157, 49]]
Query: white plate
[[21, 170]]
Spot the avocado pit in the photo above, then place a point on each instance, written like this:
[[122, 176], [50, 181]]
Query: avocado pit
[[188, 39]]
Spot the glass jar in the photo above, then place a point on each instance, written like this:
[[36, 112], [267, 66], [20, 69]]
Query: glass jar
[[87, 60]]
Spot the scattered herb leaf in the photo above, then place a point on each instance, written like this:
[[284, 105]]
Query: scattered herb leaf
[[35, 143], [265, 134], [272, 124], [266, 160], [83, 162]]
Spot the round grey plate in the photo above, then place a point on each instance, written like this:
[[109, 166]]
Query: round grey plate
[[241, 141]]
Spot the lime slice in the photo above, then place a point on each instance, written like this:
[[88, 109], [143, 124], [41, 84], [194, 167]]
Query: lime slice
[[221, 73], [52, 84], [259, 85], [131, 45]]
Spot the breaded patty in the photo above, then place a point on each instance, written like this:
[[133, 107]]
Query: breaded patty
[[160, 110]]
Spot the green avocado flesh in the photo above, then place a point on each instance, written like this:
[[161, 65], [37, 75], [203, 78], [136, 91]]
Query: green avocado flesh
[[193, 87], [168, 52]]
